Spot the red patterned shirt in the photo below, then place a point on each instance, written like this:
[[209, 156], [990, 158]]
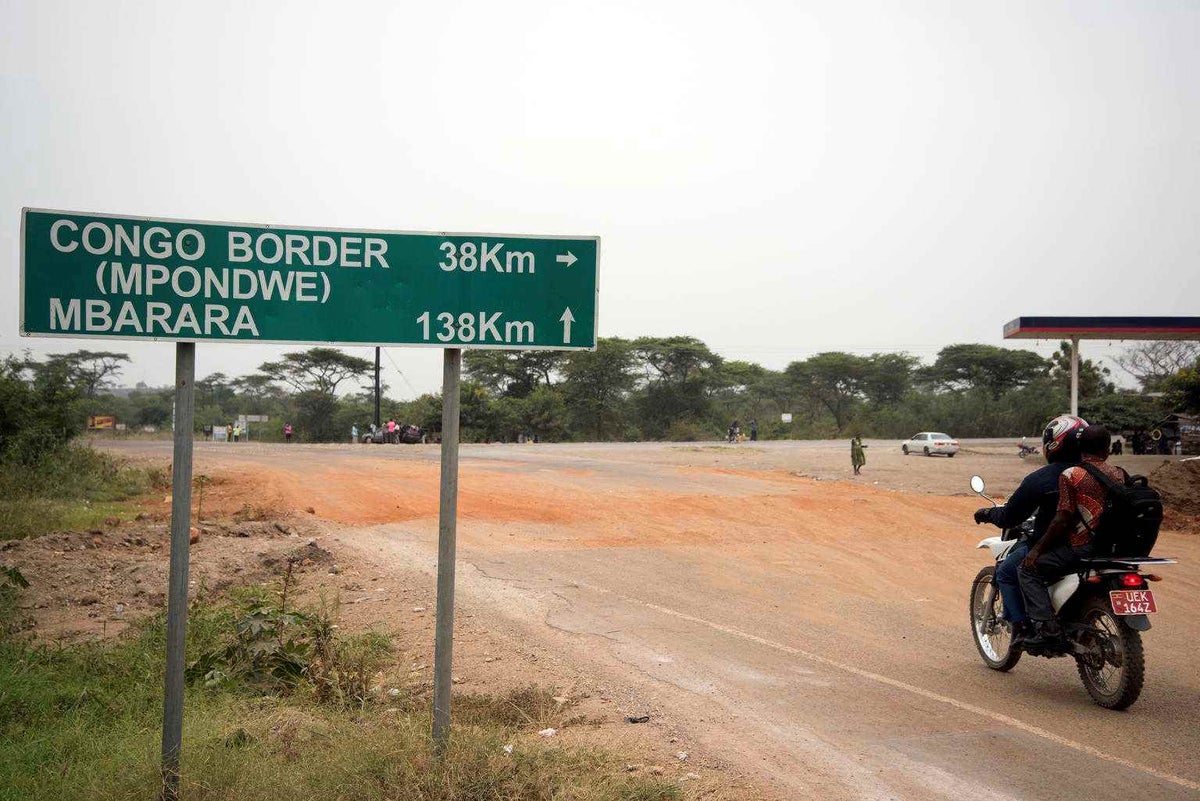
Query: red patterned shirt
[[1082, 496]]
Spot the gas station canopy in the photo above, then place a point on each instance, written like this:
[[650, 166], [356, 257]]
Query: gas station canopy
[[1077, 328], [1103, 328]]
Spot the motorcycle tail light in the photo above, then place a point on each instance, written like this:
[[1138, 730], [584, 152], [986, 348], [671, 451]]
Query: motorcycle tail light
[[1094, 579], [1131, 580]]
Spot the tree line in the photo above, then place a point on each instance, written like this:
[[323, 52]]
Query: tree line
[[648, 388]]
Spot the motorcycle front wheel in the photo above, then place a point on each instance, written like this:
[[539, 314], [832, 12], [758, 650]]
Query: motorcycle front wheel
[[991, 632], [1114, 667]]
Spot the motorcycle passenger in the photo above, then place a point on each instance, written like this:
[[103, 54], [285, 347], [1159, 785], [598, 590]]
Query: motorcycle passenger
[[1069, 537], [1038, 494]]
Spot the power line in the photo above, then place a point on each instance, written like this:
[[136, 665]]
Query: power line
[[384, 351]]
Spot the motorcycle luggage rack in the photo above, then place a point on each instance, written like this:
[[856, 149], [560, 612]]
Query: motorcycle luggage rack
[[1127, 561]]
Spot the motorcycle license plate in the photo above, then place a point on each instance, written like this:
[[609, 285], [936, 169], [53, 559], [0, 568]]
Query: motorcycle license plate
[[1132, 602]]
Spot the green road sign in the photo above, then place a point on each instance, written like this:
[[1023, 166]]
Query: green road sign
[[96, 275]]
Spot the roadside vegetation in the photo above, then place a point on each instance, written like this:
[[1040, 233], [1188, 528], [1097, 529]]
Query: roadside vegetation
[[660, 388], [650, 388], [279, 704], [48, 480]]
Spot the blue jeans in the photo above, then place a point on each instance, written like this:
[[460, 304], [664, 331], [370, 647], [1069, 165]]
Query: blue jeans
[[1010, 586]]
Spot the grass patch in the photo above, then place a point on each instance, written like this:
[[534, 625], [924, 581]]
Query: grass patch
[[73, 487], [83, 722]]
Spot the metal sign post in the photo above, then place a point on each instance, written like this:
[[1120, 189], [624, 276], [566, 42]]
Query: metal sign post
[[177, 588], [443, 648]]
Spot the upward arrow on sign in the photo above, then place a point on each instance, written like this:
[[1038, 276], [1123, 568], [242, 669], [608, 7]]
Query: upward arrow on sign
[[567, 318], [566, 260]]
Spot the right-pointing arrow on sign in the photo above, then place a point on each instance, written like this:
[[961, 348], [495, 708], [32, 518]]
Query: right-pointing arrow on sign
[[566, 260], [567, 318]]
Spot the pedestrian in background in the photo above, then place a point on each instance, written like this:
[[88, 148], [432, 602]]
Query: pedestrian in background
[[237, 433], [229, 433], [354, 433], [754, 431], [287, 432], [858, 457]]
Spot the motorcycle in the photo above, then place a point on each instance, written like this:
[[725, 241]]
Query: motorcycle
[[1103, 607], [1024, 450]]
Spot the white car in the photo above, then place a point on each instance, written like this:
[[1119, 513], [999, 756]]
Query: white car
[[929, 443]]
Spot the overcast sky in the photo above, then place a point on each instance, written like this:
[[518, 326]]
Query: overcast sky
[[775, 178]]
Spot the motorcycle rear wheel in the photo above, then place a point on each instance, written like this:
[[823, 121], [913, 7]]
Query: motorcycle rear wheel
[[991, 632], [1115, 670]]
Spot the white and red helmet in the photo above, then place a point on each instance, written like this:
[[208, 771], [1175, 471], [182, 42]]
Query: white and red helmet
[[1060, 440]]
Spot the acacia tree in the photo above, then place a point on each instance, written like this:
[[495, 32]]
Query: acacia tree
[[833, 380], [257, 387], [681, 375], [89, 371], [887, 376], [514, 373], [316, 374], [987, 367], [675, 360], [597, 385], [317, 370]]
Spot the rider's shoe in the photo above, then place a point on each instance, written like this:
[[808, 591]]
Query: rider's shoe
[[1047, 638], [1020, 633]]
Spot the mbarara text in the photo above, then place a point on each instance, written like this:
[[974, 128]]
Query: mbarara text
[[151, 317]]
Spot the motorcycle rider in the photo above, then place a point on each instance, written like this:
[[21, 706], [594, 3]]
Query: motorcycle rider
[[1038, 494], [1069, 537]]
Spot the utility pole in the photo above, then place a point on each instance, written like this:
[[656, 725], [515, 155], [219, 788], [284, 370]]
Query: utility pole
[[377, 423]]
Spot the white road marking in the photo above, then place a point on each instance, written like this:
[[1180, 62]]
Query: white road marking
[[900, 685]]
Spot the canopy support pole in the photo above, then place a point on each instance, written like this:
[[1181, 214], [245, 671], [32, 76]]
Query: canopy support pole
[[1075, 376]]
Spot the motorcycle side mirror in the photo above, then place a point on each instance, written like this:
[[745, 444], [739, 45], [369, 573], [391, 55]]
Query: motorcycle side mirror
[[977, 485]]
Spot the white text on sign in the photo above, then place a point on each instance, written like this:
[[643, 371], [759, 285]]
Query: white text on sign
[[100, 238], [469, 257], [472, 327]]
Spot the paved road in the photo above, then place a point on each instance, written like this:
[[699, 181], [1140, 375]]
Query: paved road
[[805, 626]]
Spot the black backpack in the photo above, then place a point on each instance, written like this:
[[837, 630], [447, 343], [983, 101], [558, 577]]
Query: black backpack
[[1132, 515]]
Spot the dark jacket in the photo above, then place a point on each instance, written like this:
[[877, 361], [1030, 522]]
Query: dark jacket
[[1038, 494]]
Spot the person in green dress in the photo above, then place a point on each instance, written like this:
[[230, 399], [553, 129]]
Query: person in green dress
[[858, 456]]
